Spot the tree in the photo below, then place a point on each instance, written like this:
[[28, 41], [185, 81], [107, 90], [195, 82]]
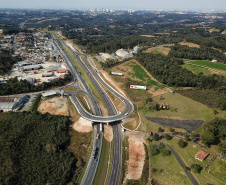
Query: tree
[[166, 152], [182, 143], [208, 138], [168, 137], [160, 129], [156, 137], [187, 137], [149, 100], [196, 168], [172, 130]]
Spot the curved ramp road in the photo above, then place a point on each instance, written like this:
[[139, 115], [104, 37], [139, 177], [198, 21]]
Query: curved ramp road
[[113, 117]]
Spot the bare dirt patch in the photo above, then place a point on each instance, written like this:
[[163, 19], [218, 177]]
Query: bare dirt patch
[[136, 158], [149, 36], [108, 133], [158, 92], [55, 106], [83, 125], [164, 49], [111, 81], [189, 44]]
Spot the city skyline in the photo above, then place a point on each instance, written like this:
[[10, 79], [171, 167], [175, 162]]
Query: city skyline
[[122, 4]]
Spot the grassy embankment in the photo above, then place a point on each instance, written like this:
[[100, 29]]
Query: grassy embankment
[[70, 89], [125, 158], [166, 170], [74, 116], [196, 69], [209, 64], [110, 162], [135, 75], [84, 100], [217, 168], [103, 163], [36, 103]]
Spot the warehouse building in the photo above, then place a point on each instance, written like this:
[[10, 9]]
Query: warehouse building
[[106, 56], [123, 54], [11, 103], [49, 94], [31, 67]]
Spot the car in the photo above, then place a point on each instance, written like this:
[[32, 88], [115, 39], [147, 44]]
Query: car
[[95, 160], [30, 105], [97, 136]]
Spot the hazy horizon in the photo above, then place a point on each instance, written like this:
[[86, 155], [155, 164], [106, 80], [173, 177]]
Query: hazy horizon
[[117, 4]]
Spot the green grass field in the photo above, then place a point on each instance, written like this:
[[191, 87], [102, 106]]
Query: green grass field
[[188, 156], [172, 173], [141, 74], [212, 65], [181, 107], [196, 69]]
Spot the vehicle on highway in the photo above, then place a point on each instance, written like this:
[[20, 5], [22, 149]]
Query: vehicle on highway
[[96, 160], [98, 136]]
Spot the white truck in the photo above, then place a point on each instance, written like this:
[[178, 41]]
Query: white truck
[[101, 127]]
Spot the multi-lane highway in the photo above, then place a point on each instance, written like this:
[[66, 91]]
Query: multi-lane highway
[[97, 142], [113, 117], [97, 80]]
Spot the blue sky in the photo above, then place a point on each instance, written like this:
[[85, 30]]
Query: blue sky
[[117, 4]]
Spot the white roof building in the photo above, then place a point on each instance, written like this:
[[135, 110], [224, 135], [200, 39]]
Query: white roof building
[[51, 93], [106, 56], [123, 54]]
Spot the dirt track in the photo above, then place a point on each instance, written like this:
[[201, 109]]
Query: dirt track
[[190, 125]]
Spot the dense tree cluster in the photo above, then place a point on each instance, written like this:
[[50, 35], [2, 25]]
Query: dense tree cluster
[[167, 70], [214, 132], [205, 53], [7, 61], [34, 149]]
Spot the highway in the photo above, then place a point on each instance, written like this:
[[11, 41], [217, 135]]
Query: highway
[[116, 162], [97, 143], [113, 118]]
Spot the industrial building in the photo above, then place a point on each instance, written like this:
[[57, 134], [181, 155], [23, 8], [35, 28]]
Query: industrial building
[[49, 94], [29, 79], [106, 56], [31, 67], [11, 103], [28, 62], [123, 54]]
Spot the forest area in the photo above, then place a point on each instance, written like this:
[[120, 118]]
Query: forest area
[[34, 149], [7, 61]]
